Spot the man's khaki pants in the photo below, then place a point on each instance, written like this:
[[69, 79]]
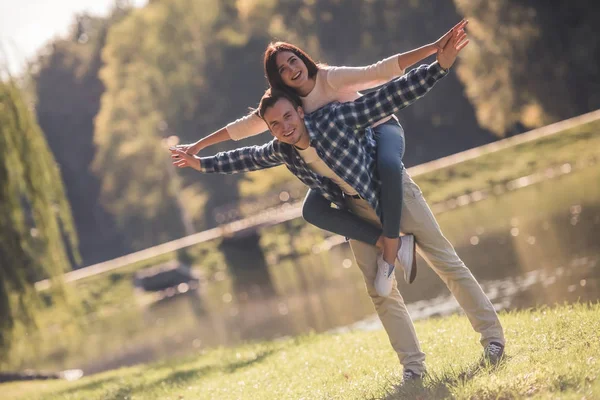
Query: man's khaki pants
[[418, 219]]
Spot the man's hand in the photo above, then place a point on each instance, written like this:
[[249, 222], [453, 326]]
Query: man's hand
[[441, 42], [181, 159], [447, 55], [191, 149]]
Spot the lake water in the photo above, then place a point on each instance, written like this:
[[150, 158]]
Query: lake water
[[534, 246]]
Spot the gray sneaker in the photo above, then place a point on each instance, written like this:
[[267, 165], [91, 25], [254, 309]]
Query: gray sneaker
[[407, 259], [493, 353], [410, 376]]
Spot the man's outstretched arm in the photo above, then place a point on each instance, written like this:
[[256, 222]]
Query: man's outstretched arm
[[401, 92], [244, 159]]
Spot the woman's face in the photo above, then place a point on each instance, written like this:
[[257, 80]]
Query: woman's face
[[292, 69]]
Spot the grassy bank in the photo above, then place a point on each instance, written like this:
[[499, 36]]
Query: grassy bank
[[569, 146], [551, 353]]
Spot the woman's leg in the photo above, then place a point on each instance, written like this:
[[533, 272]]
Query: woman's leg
[[317, 210], [390, 149]]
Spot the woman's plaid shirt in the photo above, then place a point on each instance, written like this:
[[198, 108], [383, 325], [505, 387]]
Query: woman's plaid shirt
[[341, 135]]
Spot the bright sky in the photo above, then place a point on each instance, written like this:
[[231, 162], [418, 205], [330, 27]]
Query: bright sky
[[26, 25]]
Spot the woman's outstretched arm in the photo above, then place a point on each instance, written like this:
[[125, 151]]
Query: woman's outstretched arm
[[354, 79], [247, 126]]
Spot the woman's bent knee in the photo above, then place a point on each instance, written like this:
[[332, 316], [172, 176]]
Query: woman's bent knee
[[313, 207], [390, 168]]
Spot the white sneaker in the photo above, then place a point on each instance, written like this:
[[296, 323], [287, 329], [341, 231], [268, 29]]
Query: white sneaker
[[384, 280], [407, 258]]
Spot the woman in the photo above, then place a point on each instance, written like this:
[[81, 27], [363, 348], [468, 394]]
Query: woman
[[289, 68]]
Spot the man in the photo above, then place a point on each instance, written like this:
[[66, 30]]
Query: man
[[339, 134]]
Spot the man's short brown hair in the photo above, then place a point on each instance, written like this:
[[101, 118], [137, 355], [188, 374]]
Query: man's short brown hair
[[272, 96]]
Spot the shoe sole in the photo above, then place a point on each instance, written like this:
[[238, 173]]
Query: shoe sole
[[413, 270]]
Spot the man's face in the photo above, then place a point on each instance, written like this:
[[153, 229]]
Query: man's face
[[286, 122]]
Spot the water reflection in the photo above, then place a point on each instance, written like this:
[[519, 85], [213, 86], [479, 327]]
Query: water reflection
[[537, 245], [530, 247], [311, 295]]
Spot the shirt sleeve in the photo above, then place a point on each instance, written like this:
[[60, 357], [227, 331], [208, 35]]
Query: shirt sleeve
[[249, 125], [353, 79], [390, 98], [244, 159]]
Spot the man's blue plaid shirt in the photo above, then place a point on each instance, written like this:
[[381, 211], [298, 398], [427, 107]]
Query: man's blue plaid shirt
[[341, 135]]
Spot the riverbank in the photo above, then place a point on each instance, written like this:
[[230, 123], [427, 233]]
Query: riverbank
[[71, 336]]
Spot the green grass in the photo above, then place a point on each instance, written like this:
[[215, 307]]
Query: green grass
[[578, 143], [551, 353]]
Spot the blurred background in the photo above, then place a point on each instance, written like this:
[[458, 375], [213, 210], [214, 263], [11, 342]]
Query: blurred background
[[92, 94]]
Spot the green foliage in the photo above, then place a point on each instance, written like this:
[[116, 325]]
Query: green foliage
[[67, 69], [37, 233], [166, 66], [530, 61]]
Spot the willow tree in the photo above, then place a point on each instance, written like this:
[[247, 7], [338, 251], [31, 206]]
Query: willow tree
[[67, 69], [36, 227]]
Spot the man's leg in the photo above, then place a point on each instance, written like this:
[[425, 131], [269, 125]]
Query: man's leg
[[391, 310], [418, 219]]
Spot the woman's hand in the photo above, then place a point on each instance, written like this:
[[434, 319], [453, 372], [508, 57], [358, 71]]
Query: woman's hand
[[447, 55], [441, 42], [191, 149], [182, 159]]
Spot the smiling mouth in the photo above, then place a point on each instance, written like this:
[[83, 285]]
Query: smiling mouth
[[297, 75], [289, 133]]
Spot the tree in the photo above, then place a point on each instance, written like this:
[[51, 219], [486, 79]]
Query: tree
[[37, 235], [150, 86], [67, 69], [531, 62], [182, 68]]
